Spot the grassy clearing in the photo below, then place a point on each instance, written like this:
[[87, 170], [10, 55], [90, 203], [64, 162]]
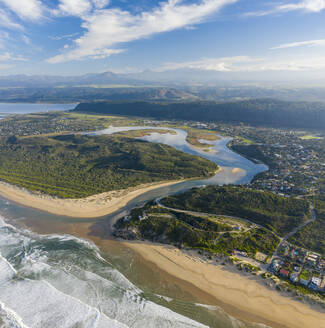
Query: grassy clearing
[[106, 120], [245, 140], [310, 137]]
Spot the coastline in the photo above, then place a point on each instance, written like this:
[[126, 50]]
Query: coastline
[[245, 295], [90, 207]]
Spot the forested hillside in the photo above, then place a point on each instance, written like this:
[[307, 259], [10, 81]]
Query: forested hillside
[[256, 112], [181, 229], [312, 236], [73, 166], [277, 213]]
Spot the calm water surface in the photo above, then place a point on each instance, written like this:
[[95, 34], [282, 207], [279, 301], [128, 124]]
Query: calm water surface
[[13, 108]]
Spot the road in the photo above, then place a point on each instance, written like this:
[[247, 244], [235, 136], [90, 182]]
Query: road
[[282, 239], [202, 214], [291, 233]]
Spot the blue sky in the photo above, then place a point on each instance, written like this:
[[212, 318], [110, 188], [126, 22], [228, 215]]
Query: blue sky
[[72, 37]]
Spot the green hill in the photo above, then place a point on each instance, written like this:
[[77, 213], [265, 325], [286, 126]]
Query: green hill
[[74, 166], [277, 213]]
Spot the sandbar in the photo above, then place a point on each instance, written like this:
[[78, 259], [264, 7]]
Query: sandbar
[[89, 207]]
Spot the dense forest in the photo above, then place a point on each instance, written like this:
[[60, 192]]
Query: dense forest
[[253, 153], [73, 166], [256, 112], [277, 213], [312, 236], [180, 229]]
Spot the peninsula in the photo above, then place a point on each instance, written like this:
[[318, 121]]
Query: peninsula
[[89, 176]]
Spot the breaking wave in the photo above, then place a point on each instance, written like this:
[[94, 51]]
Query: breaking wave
[[62, 281]]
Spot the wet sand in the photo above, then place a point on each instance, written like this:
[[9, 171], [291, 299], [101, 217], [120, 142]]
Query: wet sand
[[252, 300], [184, 275]]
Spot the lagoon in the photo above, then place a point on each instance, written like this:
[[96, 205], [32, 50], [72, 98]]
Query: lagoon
[[23, 108]]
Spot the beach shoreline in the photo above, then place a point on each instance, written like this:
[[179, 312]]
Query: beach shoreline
[[94, 206], [90, 207], [249, 299]]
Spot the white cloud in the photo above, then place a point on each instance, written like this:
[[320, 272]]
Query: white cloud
[[78, 8], [249, 64], [101, 3], [312, 6], [307, 5], [61, 37], [25, 9], [7, 22], [224, 64], [73, 7], [98, 54], [8, 57], [107, 28], [311, 43]]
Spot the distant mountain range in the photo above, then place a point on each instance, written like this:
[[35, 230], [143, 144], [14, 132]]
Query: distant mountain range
[[172, 85], [53, 81], [173, 77], [144, 78]]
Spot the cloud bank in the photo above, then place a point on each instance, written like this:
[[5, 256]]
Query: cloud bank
[[107, 28], [249, 64], [25, 9]]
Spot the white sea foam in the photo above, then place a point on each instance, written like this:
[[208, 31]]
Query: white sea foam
[[47, 281], [235, 323], [11, 318], [167, 299], [7, 271]]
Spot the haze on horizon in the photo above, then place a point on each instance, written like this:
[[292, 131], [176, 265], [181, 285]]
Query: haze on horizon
[[233, 40]]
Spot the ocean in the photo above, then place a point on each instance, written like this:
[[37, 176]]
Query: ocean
[[63, 281]]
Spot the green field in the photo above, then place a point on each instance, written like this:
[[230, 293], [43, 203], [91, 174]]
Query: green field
[[310, 137]]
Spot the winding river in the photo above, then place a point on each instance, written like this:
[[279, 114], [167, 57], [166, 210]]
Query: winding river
[[66, 281], [235, 168]]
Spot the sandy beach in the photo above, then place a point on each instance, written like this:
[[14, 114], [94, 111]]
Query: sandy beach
[[89, 207], [246, 294]]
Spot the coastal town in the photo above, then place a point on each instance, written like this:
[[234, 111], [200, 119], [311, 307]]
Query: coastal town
[[300, 266], [296, 158]]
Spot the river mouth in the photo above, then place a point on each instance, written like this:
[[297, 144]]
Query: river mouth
[[123, 302]]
